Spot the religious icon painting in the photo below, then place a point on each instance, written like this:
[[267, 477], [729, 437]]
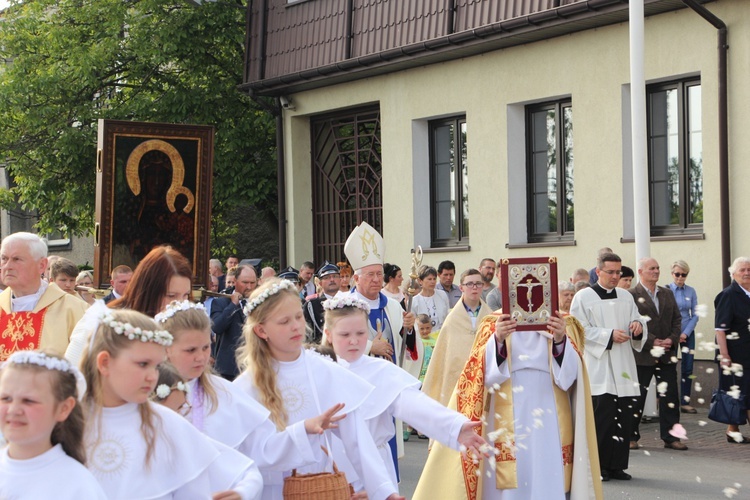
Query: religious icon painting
[[529, 290], [153, 187]]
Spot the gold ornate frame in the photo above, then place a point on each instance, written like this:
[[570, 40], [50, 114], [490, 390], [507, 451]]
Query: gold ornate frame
[[529, 290], [153, 187]]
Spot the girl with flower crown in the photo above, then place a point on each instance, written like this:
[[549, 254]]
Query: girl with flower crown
[[224, 411], [138, 449], [172, 392], [43, 423], [294, 384], [397, 394]]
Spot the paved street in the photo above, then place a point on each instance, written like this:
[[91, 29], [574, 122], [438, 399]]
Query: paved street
[[702, 472]]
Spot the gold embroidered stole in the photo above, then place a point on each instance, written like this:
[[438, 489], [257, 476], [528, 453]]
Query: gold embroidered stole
[[20, 331], [452, 348], [471, 402]]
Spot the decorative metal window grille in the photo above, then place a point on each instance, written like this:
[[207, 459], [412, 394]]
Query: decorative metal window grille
[[346, 179]]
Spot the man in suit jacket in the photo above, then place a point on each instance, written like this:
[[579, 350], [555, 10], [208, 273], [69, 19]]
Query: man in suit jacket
[[330, 279], [119, 279], [228, 318], [659, 355]]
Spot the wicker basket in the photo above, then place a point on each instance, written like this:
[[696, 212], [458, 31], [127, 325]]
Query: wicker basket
[[318, 486]]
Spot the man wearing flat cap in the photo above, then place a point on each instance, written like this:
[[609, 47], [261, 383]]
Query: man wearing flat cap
[[330, 279]]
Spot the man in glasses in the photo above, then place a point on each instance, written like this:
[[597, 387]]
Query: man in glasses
[[659, 355], [613, 329], [456, 337]]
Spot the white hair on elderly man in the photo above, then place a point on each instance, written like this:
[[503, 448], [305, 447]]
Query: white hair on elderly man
[[736, 264], [37, 247]]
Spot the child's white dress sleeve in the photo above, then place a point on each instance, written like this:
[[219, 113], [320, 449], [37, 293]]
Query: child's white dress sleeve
[[428, 416]]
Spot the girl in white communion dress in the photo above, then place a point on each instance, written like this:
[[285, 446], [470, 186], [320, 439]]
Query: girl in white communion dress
[[222, 410], [43, 423], [397, 394], [139, 449], [294, 384]]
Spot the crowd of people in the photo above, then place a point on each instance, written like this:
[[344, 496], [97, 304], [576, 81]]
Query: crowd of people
[[147, 393]]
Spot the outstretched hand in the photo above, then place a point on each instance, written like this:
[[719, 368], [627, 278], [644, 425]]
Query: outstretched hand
[[471, 441], [324, 421]]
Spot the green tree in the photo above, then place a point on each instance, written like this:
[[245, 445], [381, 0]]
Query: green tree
[[72, 62]]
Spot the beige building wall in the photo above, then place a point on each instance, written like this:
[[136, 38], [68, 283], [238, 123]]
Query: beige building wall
[[592, 68]]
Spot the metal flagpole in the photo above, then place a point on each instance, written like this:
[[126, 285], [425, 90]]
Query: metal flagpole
[[641, 212]]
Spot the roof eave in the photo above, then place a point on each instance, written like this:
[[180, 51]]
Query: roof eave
[[535, 27]]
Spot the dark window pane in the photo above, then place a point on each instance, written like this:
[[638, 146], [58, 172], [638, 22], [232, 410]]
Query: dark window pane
[[695, 153], [675, 156], [464, 183], [449, 181], [444, 144], [568, 166], [550, 171], [444, 222]]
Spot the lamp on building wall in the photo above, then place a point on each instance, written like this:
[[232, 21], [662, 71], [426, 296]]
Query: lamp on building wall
[[286, 103]]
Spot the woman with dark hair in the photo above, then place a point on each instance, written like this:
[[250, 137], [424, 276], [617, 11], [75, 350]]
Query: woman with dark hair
[[162, 276], [393, 277], [434, 305]]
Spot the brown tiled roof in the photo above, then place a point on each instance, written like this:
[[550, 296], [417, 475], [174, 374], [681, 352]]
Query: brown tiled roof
[[314, 43]]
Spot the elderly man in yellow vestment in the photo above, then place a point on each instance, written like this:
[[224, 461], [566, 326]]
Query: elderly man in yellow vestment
[[530, 389], [34, 314]]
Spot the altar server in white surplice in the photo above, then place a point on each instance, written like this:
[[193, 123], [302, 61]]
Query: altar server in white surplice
[[139, 449], [295, 384], [223, 410], [397, 393], [530, 390], [43, 423], [613, 328], [456, 337]]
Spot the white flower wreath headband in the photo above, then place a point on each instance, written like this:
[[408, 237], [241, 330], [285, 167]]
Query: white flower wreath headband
[[176, 306], [346, 301], [161, 337], [281, 285], [163, 390], [50, 363]]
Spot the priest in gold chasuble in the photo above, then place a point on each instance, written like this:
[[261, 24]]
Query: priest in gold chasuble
[[34, 314], [530, 389]]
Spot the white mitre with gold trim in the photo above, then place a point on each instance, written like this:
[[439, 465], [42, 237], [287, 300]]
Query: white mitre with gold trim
[[364, 247]]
